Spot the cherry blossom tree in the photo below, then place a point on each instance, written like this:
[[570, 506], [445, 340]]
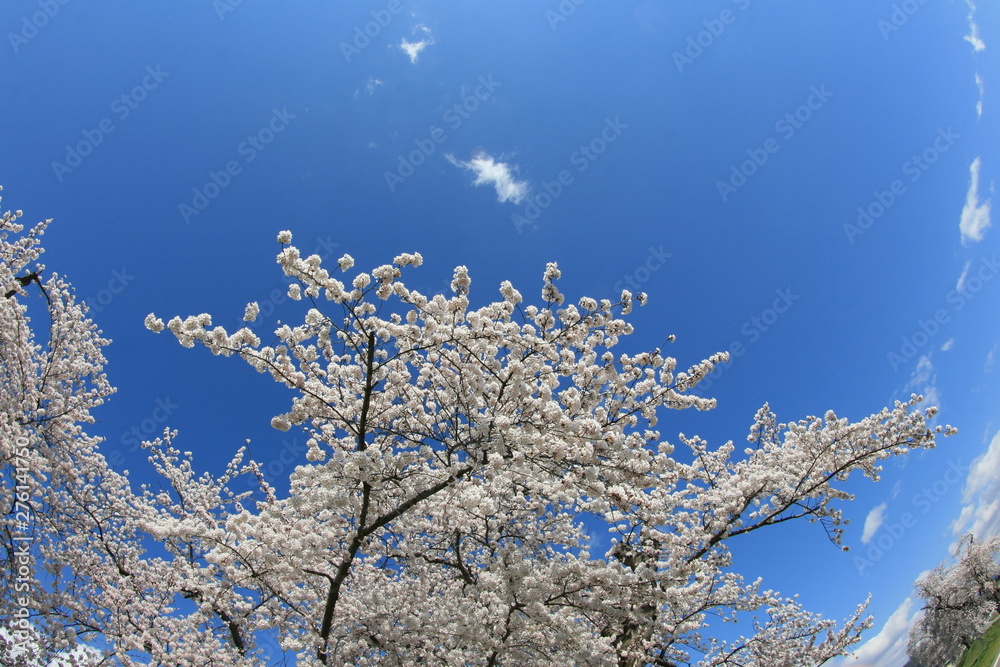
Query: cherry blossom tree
[[959, 601], [48, 385], [460, 461]]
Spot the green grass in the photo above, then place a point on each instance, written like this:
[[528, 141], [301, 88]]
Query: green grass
[[984, 651]]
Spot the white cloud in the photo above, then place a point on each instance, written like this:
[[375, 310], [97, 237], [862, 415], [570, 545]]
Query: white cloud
[[498, 174], [975, 214], [413, 49], [923, 381], [874, 521], [888, 647], [370, 85], [990, 358], [923, 373], [981, 87], [960, 285], [963, 520], [973, 36], [948, 344], [981, 496]]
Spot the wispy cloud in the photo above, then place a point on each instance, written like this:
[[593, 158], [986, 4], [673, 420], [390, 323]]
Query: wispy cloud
[[413, 49], [981, 496], [981, 87], [973, 36], [948, 344], [888, 647], [975, 214], [978, 45], [923, 380], [960, 285], [500, 175], [874, 521], [370, 85]]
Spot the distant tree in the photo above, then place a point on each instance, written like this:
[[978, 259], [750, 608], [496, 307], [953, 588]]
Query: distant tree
[[959, 601], [458, 460]]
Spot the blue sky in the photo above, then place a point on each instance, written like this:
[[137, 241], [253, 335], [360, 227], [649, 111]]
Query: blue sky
[[806, 183]]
